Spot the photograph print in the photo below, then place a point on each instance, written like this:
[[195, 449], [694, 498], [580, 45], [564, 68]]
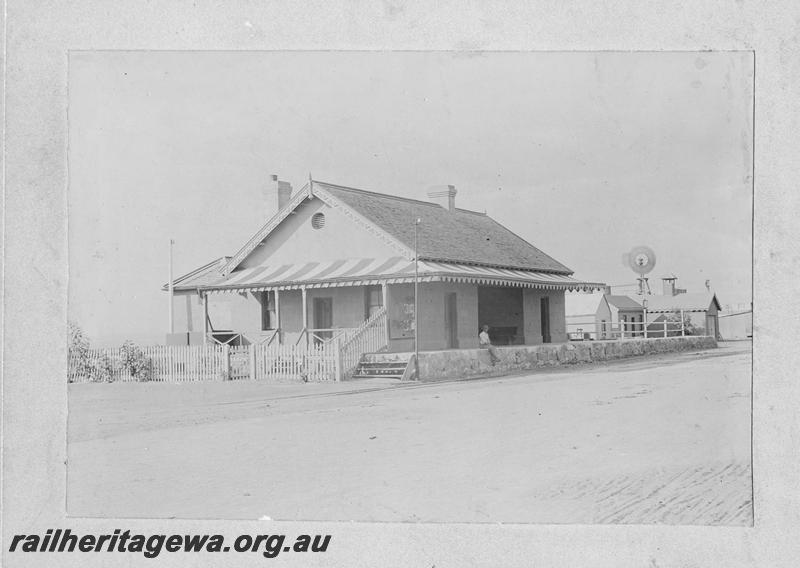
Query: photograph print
[[427, 287]]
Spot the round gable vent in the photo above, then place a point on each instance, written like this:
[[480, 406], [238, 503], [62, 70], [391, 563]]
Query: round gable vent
[[318, 220]]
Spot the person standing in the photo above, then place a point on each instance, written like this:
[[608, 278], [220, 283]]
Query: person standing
[[486, 343]]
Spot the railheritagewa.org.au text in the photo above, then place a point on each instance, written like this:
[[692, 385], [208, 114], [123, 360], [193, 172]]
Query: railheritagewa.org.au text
[[64, 540]]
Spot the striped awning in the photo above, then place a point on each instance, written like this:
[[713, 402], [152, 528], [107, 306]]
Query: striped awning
[[367, 271]]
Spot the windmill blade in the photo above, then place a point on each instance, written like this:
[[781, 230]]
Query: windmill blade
[[641, 259]]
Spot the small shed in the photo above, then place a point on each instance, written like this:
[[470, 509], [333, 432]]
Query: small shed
[[627, 315]]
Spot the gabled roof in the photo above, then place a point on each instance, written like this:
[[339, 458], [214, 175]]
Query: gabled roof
[[202, 276], [458, 236], [699, 302], [623, 302]]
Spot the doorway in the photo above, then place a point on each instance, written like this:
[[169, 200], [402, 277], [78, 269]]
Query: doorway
[[451, 320], [323, 318], [545, 311], [711, 326]]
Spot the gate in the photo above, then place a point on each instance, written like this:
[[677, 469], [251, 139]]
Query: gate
[[239, 364]]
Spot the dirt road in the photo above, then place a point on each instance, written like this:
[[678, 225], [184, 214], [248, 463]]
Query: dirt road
[[644, 441]]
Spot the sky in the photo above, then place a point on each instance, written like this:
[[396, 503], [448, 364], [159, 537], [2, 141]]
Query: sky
[[583, 154]]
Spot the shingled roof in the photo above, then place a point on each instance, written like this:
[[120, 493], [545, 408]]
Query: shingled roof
[[623, 302], [697, 302], [459, 236]]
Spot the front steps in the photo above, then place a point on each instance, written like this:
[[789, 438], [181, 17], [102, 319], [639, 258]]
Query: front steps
[[399, 366]]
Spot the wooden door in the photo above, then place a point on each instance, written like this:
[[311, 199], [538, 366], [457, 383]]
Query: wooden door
[[545, 311], [323, 317], [451, 320]]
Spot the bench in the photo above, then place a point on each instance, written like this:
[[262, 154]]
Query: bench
[[504, 335]]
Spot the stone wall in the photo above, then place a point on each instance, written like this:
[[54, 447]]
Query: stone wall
[[437, 365]]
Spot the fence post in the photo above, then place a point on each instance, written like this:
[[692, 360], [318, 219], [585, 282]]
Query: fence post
[[665, 326], [226, 354], [338, 359], [251, 356], [683, 330]]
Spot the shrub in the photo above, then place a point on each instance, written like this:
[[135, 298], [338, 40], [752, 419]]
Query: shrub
[[136, 362], [102, 370], [80, 364], [689, 328]]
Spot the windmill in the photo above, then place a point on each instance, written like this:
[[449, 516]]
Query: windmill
[[641, 260]]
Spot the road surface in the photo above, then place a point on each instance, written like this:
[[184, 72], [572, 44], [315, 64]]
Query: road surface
[[661, 440]]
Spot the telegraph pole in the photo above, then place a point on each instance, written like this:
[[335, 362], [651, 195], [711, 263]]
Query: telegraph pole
[[171, 291], [416, 298]]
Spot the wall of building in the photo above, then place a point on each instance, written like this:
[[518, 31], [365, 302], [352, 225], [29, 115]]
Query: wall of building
[[604, 315], [295, 240], [187, 312], [433, 334], [241, 312], [558, 318], [634, 321], [531, 307], [230, 311], [501, 308], [348, 305], [587, 326], [238, 312], [736, 325], [438, 365], [291, 315], [348, 311], [397, 296], [235, 311]]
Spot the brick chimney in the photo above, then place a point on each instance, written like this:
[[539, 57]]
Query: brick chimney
[[444, 195], [668, 286], [277, 194]]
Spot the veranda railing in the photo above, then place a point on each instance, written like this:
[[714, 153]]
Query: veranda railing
[[368, 338]]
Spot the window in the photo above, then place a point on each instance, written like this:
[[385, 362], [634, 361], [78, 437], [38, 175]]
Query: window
[[318, 220], [373, 300], [269, 318]]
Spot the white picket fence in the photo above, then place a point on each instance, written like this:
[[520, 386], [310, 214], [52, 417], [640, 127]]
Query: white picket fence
[[175, 364], [316, 362], [310, 363]]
